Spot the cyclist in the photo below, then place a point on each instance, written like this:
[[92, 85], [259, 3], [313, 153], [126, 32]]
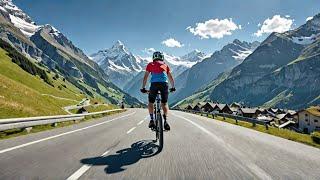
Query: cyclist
[[160, 73]]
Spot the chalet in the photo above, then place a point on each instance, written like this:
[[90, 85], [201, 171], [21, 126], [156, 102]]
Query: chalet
[[309, 119], [209, 107], [249, 112], [283, 118], [197, 107], [266, 118], [224, 108], [275, 110], [235, 105], [189, 107], [289, 125], [262, 111]]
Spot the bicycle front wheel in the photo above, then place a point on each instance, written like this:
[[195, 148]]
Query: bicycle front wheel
[[160, 130]]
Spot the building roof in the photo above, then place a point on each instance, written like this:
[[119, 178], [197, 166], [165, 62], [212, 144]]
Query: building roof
[[249, 110], [281, 116], [292, 112], [314, 110], [221, 106], [266, 118], [286, 124], [235, 104], [261, 109], [201, 103]]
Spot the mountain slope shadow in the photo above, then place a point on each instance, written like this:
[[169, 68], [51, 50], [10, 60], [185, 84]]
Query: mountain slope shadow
[[116, 162]]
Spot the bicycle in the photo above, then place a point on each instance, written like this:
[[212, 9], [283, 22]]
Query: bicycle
[[158, 119], [158, 123]]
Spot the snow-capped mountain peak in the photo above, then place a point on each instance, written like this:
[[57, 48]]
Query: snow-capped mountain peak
[[307, 33], [18, 18], [194, 56], [119, 63]]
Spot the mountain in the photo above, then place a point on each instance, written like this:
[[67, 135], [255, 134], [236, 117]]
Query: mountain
[[177, 64], [194, 56], [208, 69], [180, 64], [48, 47], [119, 63], [284, 71]]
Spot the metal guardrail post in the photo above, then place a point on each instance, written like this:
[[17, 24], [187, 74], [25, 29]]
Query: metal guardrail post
[[266, 124], [236, 120]]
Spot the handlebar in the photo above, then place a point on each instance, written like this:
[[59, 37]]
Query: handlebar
[[148, 91]]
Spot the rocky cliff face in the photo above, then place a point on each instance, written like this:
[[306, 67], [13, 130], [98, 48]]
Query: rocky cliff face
[[51, 48], [283, 71], [207, 70]]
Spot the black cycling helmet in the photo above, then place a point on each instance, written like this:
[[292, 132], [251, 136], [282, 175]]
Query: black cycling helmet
[[158, 56]]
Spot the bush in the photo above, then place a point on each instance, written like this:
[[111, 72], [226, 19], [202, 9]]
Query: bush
[[316, 137]]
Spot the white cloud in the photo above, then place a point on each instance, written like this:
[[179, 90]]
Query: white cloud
[[259, 24], [275, 24], [214, 28], [287, 16], [309, 18], [172, 43]]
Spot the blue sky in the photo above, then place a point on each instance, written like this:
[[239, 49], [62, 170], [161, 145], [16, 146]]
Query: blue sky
[[142, 24]]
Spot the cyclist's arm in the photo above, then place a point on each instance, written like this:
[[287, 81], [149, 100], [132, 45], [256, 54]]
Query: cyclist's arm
[[145, 79], [171, 78]]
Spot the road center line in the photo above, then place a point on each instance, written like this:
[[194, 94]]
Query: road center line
[[62, 134], [83, 169], [140, 122], [130, 130], [237, 154]]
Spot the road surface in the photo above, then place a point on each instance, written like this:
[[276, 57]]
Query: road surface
[[120, 147]]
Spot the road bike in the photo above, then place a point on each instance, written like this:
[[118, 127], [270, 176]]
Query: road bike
[[159, 122]]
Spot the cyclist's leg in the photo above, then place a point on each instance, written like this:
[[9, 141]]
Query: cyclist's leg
[[164, 90], [164, 103], [152, 97]]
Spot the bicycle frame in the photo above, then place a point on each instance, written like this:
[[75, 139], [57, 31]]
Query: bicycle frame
[[158, 122]]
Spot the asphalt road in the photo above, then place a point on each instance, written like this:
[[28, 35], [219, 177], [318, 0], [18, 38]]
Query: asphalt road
[[121, 147]]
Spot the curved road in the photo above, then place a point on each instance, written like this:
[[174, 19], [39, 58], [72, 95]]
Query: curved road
[[120, 147]]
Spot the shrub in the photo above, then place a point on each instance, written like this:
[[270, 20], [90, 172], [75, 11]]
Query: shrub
[[316, 137]]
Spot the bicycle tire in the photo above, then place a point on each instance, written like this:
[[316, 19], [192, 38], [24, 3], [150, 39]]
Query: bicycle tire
[[160, 130]]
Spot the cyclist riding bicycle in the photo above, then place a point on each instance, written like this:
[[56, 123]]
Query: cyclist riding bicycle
[[160, 73]]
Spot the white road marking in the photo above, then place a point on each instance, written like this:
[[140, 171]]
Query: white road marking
[[130, 130], [237, 154], [83, 169], [140, 122], [62, 134]]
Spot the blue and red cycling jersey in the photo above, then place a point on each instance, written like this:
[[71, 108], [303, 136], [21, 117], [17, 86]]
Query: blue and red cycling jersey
[[159, 71]]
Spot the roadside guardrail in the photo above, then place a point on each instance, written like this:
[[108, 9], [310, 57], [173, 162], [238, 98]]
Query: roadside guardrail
[[235, 117], [13, 123]]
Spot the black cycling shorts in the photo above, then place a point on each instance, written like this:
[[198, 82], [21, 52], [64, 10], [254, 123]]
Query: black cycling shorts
[[162, 87]]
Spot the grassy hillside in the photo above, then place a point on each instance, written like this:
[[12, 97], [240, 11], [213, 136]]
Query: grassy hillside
[[203, 94], [23, 94]]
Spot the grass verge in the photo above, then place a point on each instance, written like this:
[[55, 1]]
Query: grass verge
[[19, 132], [283, 133]]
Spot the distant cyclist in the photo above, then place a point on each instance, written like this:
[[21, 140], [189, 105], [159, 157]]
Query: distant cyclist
[[160, 73]]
